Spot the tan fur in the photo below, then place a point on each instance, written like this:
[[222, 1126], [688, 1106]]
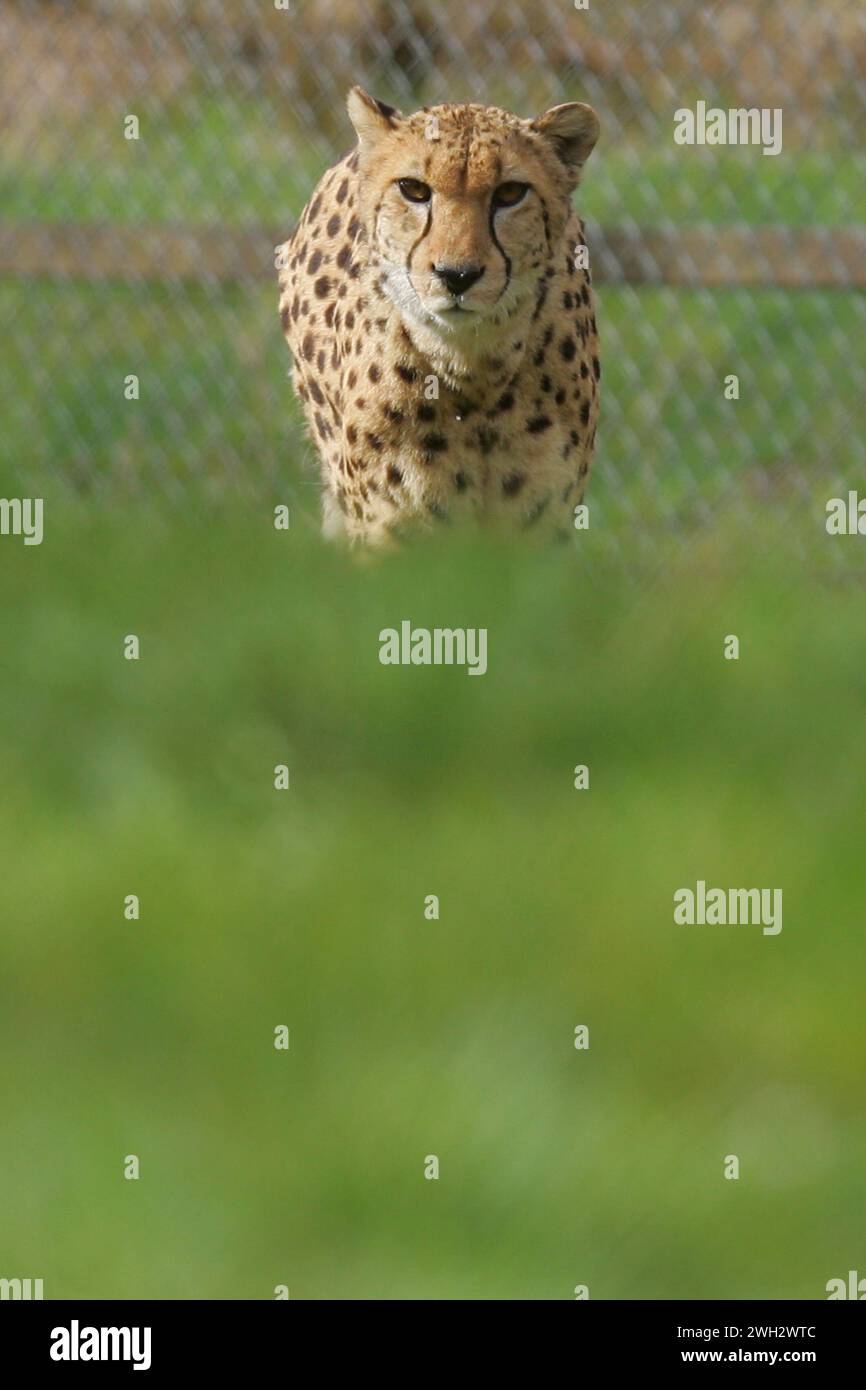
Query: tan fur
[[422, 413]]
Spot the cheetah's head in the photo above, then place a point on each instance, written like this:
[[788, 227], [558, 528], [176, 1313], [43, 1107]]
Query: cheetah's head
[[465, 205]]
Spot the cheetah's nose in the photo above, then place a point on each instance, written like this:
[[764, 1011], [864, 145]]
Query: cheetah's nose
[[458, 279]]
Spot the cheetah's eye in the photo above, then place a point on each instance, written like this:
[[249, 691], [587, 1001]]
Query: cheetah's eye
[[414, 191], [508, 195]]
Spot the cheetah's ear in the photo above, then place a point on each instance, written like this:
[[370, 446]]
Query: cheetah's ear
[[572, 129], [371, 118]]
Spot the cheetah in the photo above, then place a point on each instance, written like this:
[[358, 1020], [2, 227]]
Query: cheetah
[[437, 303]]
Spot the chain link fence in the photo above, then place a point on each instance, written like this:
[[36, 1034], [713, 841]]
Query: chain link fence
[[154, 151]]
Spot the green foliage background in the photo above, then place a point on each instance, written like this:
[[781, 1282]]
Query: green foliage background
[[411, 1037]]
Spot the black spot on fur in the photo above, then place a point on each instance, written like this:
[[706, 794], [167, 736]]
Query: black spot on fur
[[537, 511], [487, 440], [436, 443]]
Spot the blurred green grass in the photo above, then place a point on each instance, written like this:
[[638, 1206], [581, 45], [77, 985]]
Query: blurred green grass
[[411, 1037]]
